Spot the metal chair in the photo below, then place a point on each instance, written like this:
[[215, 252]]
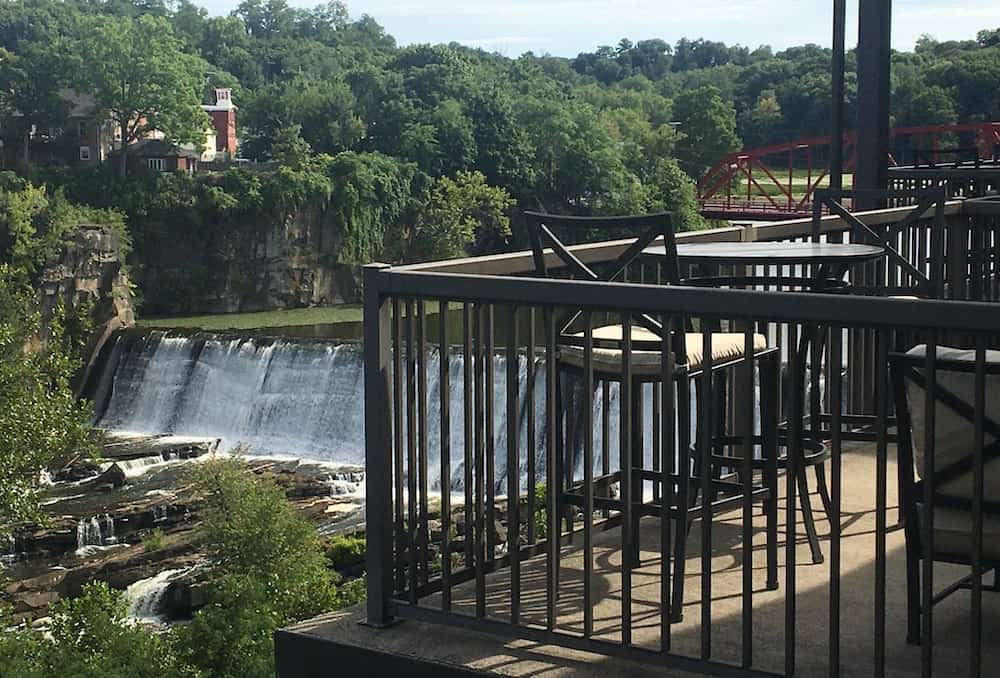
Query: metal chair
[[952, 460], [639, 342]]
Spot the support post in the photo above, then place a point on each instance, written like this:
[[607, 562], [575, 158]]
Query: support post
[[378, 448], [874, 40], [837, 117]]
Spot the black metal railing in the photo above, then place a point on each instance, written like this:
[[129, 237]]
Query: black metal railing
[[507, 494]]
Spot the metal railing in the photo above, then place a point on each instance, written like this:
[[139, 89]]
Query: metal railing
[[475, 435]]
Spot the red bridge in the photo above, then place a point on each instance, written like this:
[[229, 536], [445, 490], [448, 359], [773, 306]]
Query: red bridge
[[777, 182]]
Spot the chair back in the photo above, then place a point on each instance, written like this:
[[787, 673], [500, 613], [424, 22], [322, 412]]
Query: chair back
[[903, 275], [954, 416], [639, 231]]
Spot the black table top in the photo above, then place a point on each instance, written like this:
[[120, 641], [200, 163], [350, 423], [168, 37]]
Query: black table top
[[772, 252]]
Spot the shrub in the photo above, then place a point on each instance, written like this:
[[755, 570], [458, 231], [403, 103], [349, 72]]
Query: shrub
[[346, 553], [154, 540]]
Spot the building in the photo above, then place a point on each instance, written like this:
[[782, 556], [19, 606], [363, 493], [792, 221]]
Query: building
[[159, 155], [87, 137]]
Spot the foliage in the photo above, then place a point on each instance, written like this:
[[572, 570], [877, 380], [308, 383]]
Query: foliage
[[142, 77], [89, 637], [346, 552], [267, 570], [40, 418], [707, 129], [154, 540], [458, 214]]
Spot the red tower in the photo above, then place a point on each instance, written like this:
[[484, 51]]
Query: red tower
[[223, 113]]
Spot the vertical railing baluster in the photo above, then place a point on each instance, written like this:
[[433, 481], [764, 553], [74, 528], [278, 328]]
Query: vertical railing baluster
[[666, 452], [706, 424], [881, 484], [747, 399], [625, 485], [411, 452], [605, 432], [793, 451], [513, 468], [378, 448], [469, 435], [444, 379], [397, 442], [422, 426], [531, 443], [480, 434], [588, 473], [978, 440], [551, 431], [490, 433], [836, 403], [927, 571]]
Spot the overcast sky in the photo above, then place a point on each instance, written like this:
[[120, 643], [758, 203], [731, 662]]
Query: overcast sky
[[567, 27]]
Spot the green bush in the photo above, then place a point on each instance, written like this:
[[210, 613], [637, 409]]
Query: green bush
[[346, 553], [89, 637], [267, 570], [154, 540]]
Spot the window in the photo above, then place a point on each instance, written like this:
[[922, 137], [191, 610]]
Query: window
[[85, 153], [81, 129], [156, 164]]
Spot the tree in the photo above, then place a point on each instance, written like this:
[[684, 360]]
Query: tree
[[675, 193], [40, 418], [267, 569], [32, 81], [707, 129], [141, 77], [458, 214], [89, 637]]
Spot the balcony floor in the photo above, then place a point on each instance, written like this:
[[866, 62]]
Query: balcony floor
[[460, 648]]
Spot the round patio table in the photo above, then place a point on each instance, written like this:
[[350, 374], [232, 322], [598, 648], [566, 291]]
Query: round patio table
[[830, 261]]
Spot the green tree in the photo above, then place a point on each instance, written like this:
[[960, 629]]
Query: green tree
[[675, 193], [707, 129], [458, 214], [267, 570], [141, 77], [32, 82], [39, 416]]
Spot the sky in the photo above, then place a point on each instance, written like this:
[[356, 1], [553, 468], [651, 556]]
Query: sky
[[568, 27]]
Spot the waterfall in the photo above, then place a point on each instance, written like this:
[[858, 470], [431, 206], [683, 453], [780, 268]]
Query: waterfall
[[305, 399], [144, 596], [94, 533]]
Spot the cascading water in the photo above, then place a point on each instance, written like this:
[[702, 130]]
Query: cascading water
[[305, 399], [146, 595], [94, 533]]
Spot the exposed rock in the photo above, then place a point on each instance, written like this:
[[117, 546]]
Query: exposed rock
[[88, 276], [110, 479]]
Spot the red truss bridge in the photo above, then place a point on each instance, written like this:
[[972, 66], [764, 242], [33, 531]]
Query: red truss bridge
[[777, 182]]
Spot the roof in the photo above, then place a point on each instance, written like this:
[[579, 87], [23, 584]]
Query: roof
[[159, 148]]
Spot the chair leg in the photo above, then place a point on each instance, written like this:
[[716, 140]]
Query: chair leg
[[912, 584], [824, 491], [769, 375], [807, 516]]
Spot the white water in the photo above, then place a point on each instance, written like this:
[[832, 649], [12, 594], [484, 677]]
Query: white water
[[306, 400], [144, 596], [93, 534]]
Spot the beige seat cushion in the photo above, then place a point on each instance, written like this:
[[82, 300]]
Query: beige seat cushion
[[726, 346], [953, 533], [953, 441]]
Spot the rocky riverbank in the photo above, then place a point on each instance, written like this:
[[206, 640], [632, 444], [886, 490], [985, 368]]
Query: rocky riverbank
[[130, 519]]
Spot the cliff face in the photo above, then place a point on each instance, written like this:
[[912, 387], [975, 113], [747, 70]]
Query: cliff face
[[245, 267], [88, 278]]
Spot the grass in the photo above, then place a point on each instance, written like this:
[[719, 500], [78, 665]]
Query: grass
[[154, 540], [250, 321]]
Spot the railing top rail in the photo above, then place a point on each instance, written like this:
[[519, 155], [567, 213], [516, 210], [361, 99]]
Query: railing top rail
[[510, 263], [845, 310]]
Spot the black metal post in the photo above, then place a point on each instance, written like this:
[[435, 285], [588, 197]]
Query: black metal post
[[378, 448], [874, 39], [837, 117]]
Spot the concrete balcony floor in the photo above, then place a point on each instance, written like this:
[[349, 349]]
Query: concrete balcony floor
[[338, 637]]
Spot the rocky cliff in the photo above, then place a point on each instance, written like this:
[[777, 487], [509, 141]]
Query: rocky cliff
[[263, 263], [88, 279]]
